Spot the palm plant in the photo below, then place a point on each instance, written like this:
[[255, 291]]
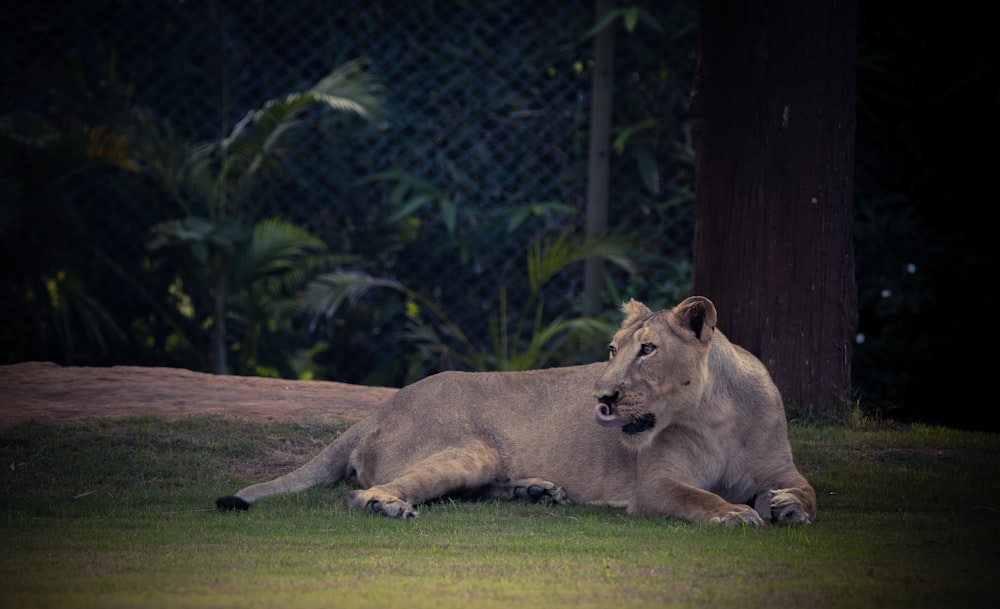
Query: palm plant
[[221, 246]]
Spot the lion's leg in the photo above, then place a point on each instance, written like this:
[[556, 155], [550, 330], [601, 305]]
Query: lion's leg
[[531, 490], [471, 466], [795, 503], [327, 468], [680, 500]]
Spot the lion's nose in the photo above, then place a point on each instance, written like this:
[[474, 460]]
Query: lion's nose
[[606, 397]]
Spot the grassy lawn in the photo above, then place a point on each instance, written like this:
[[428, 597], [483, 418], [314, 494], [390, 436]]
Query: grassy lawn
[[120, 514]]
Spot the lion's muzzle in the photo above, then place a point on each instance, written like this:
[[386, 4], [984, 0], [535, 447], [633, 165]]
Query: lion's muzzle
[[604, 415], [604, 412]]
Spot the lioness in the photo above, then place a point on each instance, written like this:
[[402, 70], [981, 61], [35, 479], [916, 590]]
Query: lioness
[[687, 425]]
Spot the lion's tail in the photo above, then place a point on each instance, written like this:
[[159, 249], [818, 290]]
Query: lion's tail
[[327, 468]]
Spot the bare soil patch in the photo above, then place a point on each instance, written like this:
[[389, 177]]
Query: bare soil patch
[[47, 392]]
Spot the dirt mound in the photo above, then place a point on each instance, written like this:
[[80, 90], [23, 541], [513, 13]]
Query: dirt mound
[[44, 391]]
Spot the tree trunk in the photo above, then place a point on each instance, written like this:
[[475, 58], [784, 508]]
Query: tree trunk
[[774, 107], [599, 160]]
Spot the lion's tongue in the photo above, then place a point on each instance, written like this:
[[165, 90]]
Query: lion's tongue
[[604, 416]]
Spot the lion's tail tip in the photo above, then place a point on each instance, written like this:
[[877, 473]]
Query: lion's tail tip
[[231, 504]]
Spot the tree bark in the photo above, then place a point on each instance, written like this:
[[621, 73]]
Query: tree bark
[[599, 159], [774, 108]]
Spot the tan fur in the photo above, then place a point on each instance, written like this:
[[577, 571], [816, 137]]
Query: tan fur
[[691, 426]]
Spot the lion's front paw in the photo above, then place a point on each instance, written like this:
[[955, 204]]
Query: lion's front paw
[[736, 515], [381, 503], [531, 490], [394, 508], [544, 493], [782, 506]]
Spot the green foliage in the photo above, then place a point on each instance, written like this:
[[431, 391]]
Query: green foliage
[[206, 241], [412, 193], [218, 266], [119, 513], [546, 260], [519, 214], [518, 339], [630, 16], [441, 182], [236, 262], [220, 178]]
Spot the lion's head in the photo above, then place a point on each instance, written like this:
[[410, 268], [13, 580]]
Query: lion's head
[[658, 368]]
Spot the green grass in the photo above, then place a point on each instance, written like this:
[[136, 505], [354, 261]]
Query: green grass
[[120, 514]]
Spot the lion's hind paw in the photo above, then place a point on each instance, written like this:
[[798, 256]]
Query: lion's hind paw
[[231, 504], [738, 515]]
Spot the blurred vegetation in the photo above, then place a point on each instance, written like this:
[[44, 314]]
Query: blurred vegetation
[[244, 267], [128, 237]]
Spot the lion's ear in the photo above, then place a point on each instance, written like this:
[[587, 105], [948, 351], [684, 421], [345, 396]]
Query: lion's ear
[[696, 315], [633, 310]]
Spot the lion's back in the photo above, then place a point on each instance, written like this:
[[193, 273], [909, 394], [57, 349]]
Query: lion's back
[[454, 396]]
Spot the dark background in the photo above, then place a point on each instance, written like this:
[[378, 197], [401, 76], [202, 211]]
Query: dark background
[[927, 139], [926, 157]]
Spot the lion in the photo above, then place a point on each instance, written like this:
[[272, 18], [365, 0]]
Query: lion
[[678, 422]]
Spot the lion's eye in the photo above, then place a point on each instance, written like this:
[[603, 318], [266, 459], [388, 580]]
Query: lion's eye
[[612, 350], [647, 348]]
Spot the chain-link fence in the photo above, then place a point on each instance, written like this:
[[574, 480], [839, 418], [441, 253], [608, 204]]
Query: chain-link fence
[[481, 156], [482, 151]]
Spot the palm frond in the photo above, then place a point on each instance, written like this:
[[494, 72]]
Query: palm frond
[[101, 145], [221, 173], [325, 294], [259, 135], [274, 246], [351, 87], [546, 342], [561, 330], [546, 260]]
